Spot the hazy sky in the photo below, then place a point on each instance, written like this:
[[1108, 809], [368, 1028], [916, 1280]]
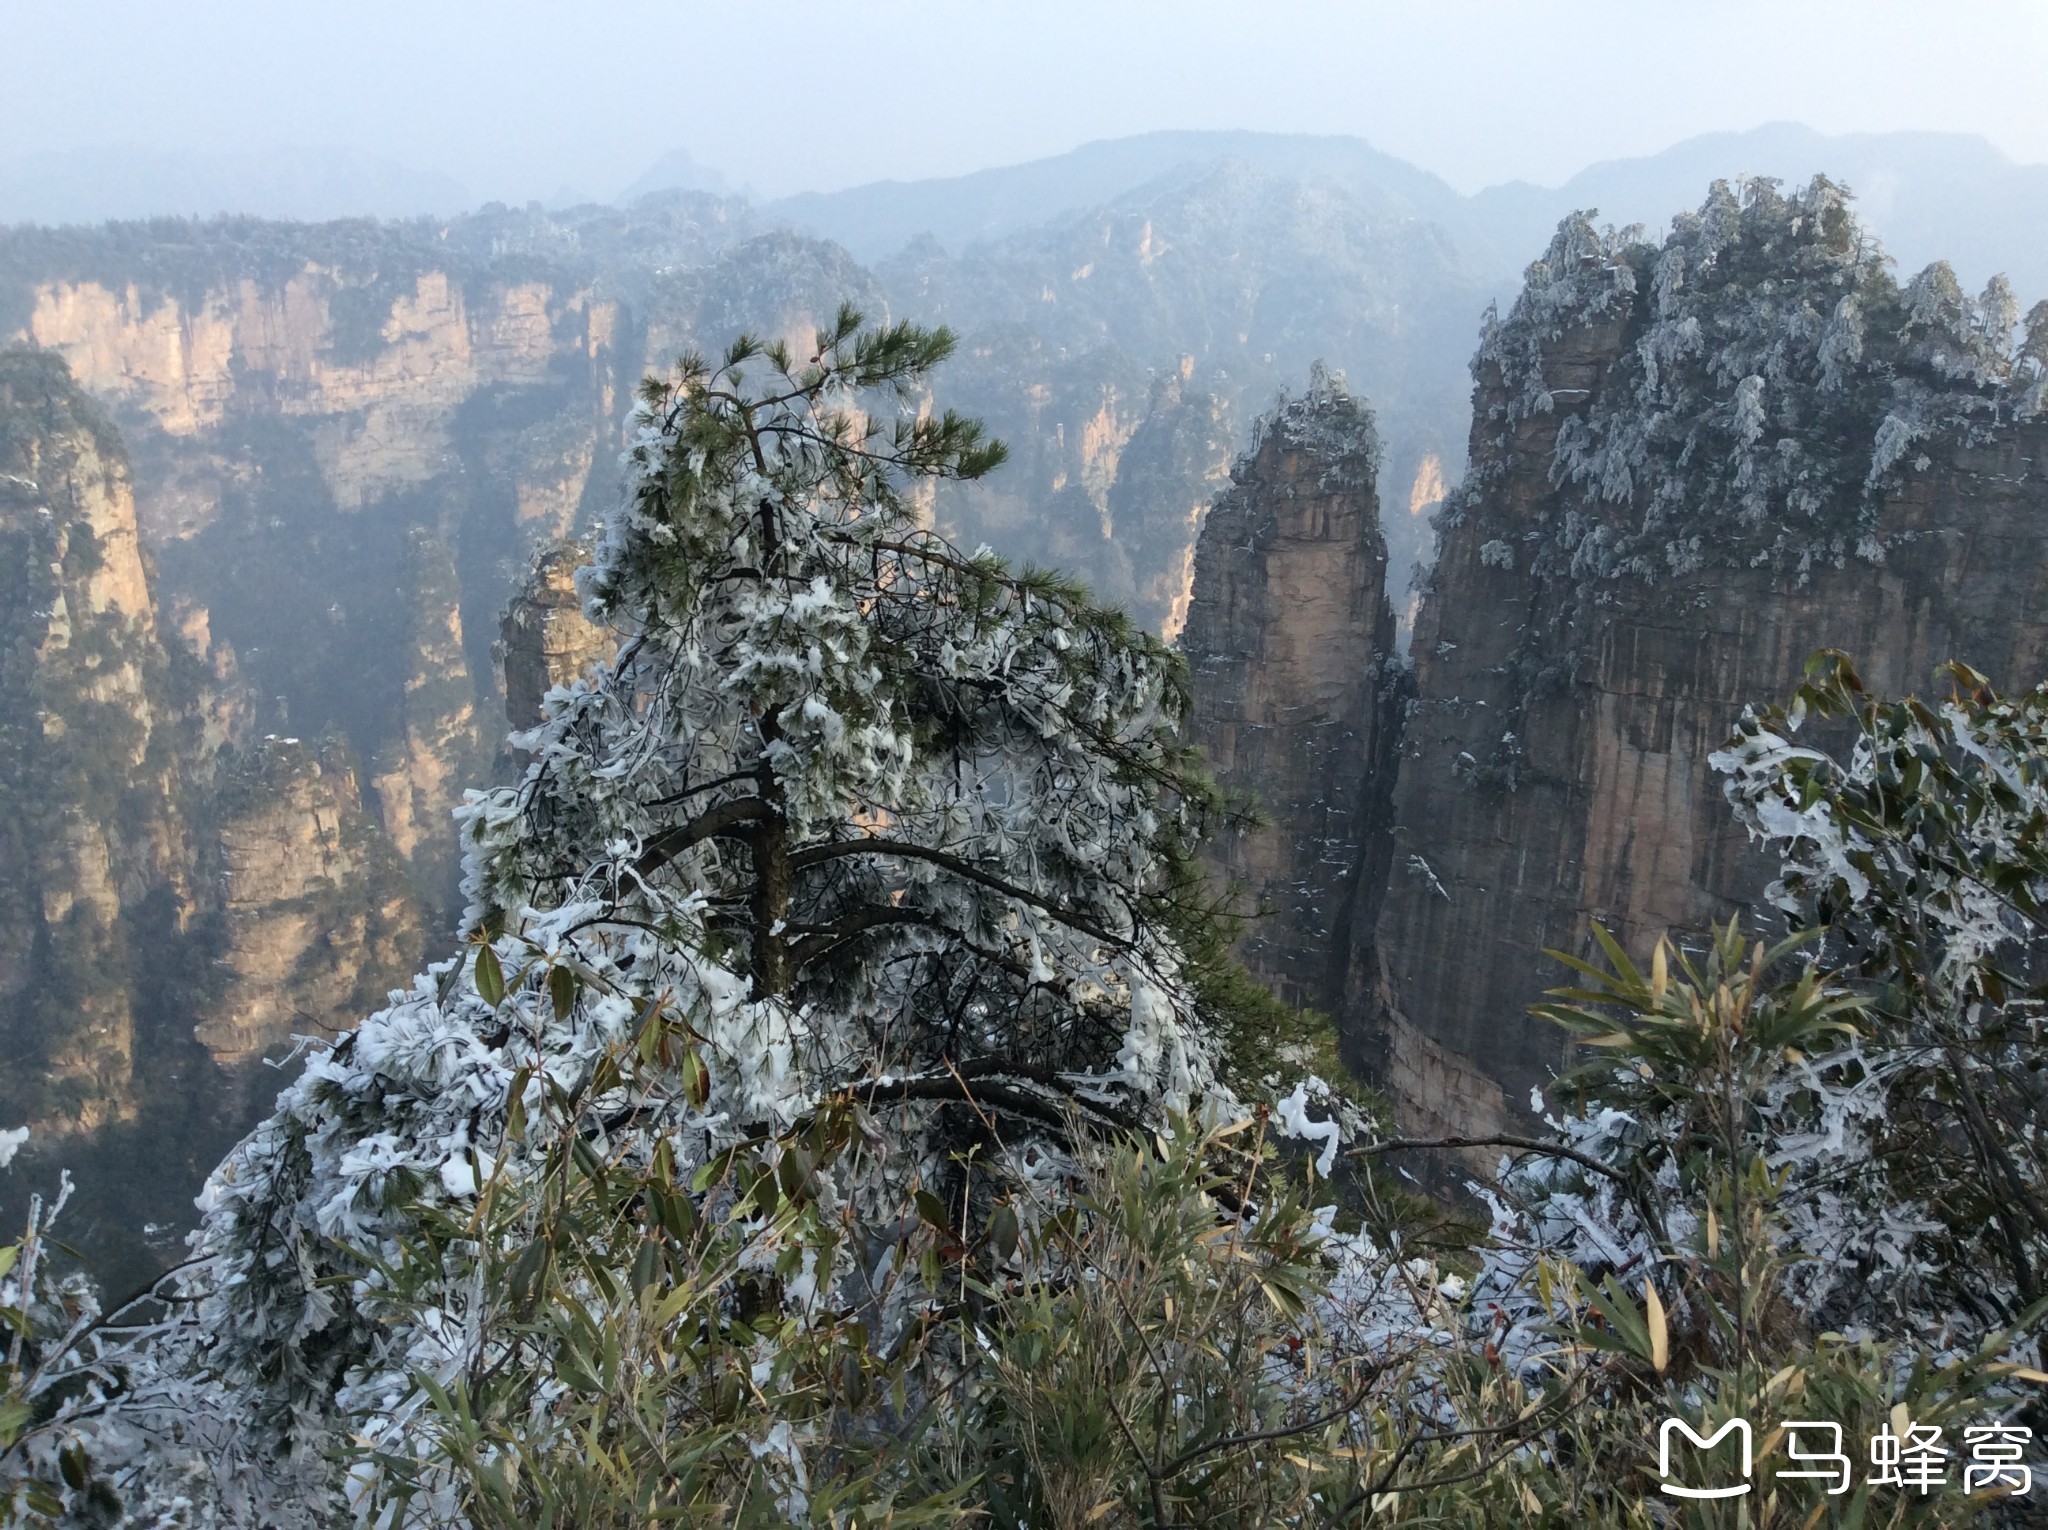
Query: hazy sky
[[517, 99]]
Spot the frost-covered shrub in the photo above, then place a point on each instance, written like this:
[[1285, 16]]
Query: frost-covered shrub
[[1328, 422], [1921, 850], [1704, 1214], [1585, 275], [1880, 1069], [1706, 1068], [823, 1123]]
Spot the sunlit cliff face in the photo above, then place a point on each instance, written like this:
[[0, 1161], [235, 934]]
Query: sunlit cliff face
[[1428, 490]]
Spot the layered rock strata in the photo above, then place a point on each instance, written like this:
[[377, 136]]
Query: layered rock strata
[[374, 362], [1289, 636], [317, 921], [545, 639], [162, 881], [90, 819], [344, 434], [1167, 474], [435, 748], [301, 398], [1691, 466]]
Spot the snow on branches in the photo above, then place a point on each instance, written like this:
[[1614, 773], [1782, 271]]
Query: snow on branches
[[1923, 853], [1769, 382], [858, 826]]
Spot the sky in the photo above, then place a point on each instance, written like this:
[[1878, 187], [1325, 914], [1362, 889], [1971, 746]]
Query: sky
[[517, 99]]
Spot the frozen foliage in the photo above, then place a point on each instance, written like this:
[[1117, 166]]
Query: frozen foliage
[[1769, 383], [1329, 424], [1848, 1243], [1837, 1137], [1867, 1087], [1293, 1119], [1922, 851], [1723, 1200], [854, 817], [1585, 275], [821, 1123]]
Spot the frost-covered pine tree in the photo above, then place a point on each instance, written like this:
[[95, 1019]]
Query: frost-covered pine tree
[[857, 826]]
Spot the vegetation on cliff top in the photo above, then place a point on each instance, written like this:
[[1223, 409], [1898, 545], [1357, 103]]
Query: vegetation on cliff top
[[823, 1123], [1769, 382]]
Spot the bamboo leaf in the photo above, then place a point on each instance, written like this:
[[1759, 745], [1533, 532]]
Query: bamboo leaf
[[1660, 1333]]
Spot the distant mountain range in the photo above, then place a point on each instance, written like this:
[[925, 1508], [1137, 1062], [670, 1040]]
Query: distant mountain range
[[677, 170], [1930, 196], [96, 184], [877, 219]]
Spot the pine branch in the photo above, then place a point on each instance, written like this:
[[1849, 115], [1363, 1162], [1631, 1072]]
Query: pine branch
[[722, 820], [813, 855]]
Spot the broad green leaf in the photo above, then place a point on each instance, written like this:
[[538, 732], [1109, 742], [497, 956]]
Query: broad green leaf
[[490, 977]]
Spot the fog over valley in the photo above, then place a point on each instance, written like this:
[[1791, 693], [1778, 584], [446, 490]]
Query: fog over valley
[[915, 765]]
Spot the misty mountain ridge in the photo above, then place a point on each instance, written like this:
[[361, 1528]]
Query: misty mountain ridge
[[1929, 196], [678, 170], [1952, 196], [301, 182], [875, 220]]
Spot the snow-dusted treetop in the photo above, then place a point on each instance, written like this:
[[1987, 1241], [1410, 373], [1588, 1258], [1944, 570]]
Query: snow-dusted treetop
[[1327, 421], [1772, 384]]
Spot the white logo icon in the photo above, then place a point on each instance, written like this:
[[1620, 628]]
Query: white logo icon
[[1671, 1426]]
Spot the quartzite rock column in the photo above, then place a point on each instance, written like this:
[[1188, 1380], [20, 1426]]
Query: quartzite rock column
[[1296, 698]]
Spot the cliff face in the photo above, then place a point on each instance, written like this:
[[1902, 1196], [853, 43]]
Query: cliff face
[[301, 400], [545, 638], [316, 920], [1172, 314], [344, 436], [90, 824], [1289, 637], [135, 817], [376, 363], [436, 749], [1691, 466], [1167, 474], [175, 901], [349, 438]]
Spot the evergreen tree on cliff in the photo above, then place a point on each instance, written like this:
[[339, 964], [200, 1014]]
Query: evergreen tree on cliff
[[861, 835]]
